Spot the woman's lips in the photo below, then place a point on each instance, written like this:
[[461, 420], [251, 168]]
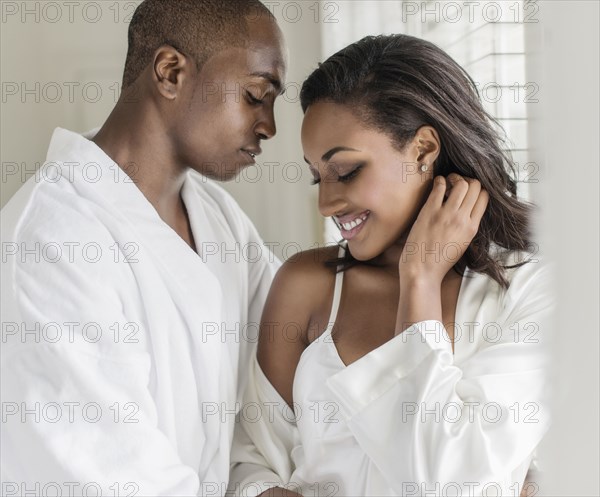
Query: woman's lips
[[351, 226]]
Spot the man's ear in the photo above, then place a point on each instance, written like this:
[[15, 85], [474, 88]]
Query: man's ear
[[427, 144], [170, 69]]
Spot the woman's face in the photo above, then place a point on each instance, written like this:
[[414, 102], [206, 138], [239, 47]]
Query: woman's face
[[373, 191]]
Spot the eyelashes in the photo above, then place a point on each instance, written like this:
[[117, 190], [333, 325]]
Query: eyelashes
[[351, 175], [346, 178], [253, 100]]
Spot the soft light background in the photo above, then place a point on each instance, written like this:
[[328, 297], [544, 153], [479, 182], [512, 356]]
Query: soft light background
[[61, 64]]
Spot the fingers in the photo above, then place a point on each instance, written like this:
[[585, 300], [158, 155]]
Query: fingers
[[438, 192], [480, 206], [458, 190], [474, 189], [475, 201], [460, 193]]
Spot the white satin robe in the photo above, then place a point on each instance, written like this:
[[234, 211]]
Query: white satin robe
[[121, 346], [412, 418]]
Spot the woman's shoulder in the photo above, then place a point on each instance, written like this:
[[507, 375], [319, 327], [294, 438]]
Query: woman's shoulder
[[310, 264], [302, 286], [305, 282]]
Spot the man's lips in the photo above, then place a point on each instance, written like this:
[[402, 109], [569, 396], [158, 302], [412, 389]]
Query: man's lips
[[253, 152]]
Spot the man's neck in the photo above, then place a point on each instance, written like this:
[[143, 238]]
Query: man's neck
[[141, 147]]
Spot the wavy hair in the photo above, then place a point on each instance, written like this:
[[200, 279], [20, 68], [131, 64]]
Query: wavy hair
[[397, 84]]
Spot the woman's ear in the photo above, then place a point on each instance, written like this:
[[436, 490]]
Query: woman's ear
[[170, 70], [427, 143]]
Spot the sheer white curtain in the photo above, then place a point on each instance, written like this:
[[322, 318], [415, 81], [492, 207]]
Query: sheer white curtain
[[347, 21], [487, 38]]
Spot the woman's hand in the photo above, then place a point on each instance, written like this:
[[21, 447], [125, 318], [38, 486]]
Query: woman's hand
[[443, 229], [438, 239]]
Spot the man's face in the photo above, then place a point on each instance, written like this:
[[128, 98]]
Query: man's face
[[230, 108]]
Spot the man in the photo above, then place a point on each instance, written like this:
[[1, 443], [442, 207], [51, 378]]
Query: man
[[131, 284]]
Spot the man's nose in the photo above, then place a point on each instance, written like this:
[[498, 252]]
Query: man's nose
[[265, 127]]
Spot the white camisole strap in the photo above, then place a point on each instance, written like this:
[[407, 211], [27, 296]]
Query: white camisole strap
[[337, 294]]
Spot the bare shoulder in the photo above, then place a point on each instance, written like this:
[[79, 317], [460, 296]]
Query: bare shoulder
[[301, 290], [309, 274], [303, 287]]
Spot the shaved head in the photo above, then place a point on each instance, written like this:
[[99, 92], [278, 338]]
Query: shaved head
[[196, 28]]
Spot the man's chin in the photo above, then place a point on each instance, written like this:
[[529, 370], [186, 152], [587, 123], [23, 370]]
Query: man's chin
[[222, 172]]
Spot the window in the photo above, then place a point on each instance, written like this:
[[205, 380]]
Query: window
[[487, 38]]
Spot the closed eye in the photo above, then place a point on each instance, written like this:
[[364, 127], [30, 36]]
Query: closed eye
[[342, 179], [253, 100], [351, 175]]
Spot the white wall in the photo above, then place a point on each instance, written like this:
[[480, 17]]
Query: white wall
[[566, 141], [46, 51]]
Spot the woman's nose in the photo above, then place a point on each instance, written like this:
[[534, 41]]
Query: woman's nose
[[331, 200]]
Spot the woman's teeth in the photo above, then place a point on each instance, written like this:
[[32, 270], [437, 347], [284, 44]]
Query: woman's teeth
[[354, 223]]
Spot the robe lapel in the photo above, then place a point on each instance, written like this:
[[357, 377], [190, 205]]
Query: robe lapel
[[170, 274]]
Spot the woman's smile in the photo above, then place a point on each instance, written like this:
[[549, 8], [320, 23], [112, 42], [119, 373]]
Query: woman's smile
[[351, 225]]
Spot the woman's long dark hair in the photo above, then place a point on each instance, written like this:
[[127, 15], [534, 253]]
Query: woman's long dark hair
[[397, 84]]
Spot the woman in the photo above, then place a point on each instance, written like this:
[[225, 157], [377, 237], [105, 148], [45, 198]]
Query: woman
[[409, 360]]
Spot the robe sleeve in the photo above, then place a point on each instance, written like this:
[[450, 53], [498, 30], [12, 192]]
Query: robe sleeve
[[262, 270], [262, 435], [264, 439], [430, 425], [261, 263], [79, 418]]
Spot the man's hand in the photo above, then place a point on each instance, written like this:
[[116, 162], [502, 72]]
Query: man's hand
[[530, 488], [279, 492]]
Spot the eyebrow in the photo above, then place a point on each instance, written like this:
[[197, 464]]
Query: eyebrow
[[328, 155], [271, 79]]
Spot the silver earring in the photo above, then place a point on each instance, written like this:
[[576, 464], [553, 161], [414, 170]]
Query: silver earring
[[424, 168]]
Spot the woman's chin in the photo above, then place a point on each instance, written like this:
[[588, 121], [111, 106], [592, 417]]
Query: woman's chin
[[384, 252], [362, 253]]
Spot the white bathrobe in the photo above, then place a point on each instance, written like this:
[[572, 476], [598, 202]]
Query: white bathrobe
[[412, 417], [121, 346]]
